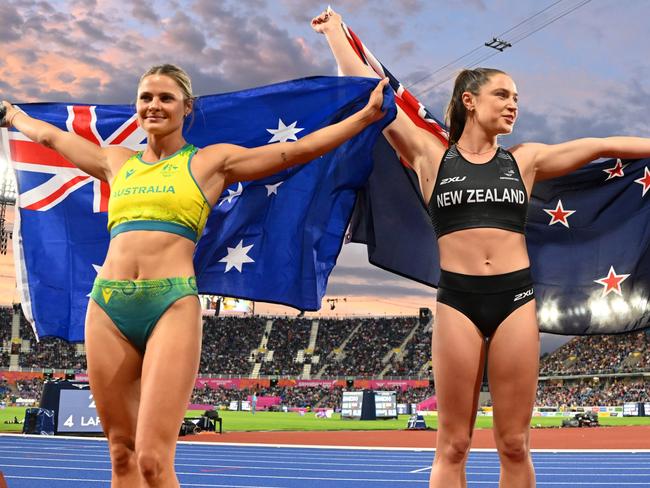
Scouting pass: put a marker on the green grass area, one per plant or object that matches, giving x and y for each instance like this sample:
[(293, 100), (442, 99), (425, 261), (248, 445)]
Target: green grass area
[(7, 415), (261, 421)]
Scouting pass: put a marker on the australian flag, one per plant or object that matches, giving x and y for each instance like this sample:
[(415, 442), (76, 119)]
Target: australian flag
[(273, 240), (588, 233)]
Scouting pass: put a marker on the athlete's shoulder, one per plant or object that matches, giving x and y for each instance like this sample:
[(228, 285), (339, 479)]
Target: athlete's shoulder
[(525, 152)]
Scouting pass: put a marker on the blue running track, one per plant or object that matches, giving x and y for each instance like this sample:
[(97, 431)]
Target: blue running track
[(54, 462)]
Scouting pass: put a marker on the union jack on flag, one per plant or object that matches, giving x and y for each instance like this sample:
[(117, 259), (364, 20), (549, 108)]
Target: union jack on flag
[(66, 178)]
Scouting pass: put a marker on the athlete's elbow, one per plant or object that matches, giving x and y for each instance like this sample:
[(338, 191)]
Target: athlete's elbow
[(300, 152), (601, 147), (47, 138)]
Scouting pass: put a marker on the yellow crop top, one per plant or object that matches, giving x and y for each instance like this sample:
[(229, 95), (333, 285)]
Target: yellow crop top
[(162, 196)]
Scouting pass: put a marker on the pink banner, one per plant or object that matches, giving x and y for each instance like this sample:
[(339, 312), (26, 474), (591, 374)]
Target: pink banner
[(215, 383), (200, 406), (264, 402), (428, 405), (313, 383), (243, 383), (391, 384)]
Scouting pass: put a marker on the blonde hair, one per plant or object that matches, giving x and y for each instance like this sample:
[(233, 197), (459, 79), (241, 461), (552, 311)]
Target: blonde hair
[(468, 80), (177, 74)]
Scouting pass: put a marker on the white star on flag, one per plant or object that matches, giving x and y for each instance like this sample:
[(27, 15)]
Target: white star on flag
[(237, 256), (284, 132), (612, 282), (558, 214), (272, 189), (616, 171), (232, 194), (645, 181), (98, 268)]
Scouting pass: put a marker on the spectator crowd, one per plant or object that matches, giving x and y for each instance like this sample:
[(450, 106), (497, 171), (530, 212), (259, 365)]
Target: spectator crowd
[(350, 347), (599, 354)]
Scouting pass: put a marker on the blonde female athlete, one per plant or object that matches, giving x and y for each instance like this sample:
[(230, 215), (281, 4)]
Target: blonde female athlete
[(477, 195), (143, 325)]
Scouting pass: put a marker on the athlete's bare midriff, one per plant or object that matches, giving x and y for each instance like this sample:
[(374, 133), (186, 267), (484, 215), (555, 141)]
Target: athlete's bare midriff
[(483, 251), (142, 255)]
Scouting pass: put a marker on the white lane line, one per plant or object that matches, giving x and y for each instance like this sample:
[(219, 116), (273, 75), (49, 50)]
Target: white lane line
[(43, 478), (109, 481), (301, 446), (77, 458), (209, 467), (588, 470)]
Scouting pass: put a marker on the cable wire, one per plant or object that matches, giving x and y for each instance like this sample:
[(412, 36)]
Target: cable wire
[(480, 53)]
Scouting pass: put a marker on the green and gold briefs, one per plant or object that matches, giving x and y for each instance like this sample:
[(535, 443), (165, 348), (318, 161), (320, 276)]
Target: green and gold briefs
[(135, 306)]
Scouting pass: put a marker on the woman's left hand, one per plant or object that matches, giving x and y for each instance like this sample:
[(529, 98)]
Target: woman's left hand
[(373, 108)]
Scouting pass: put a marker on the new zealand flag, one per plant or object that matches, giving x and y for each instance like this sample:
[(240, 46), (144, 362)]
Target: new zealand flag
[(588, 233)]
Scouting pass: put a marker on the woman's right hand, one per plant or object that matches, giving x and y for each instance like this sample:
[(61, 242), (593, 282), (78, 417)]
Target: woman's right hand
[(9, 113), (326, 21)]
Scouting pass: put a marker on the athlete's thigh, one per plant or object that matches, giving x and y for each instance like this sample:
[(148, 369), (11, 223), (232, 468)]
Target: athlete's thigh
[(171, 362), (513, 368), (114, 367), (458, 356)]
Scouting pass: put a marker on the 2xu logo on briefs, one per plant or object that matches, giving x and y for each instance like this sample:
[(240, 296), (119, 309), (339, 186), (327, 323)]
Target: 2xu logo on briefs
[(522, 295)]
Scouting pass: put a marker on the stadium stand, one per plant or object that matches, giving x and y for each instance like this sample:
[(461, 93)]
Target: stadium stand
[(415, 359), (590, 392), (369, 348), (591, 370), (287, 338), (599, 354), (230, 344)]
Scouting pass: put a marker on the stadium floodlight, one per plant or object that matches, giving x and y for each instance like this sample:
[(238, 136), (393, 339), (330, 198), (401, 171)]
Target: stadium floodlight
[(639, 303), (620, 306), (7, 182), (549, 313), (600, 310)]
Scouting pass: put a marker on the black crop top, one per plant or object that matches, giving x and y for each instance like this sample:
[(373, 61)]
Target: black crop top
[(468, 195)]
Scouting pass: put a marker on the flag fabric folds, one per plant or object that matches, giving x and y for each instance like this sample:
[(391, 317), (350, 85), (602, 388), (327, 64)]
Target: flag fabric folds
[(588, 232), (588, 235), (274, 239), (390, 216)]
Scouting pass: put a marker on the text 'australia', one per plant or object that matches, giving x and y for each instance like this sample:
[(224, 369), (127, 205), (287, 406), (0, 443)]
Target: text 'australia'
[(141, 190)]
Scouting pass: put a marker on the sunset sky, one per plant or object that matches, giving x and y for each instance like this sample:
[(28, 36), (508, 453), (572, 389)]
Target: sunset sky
[(583, 75)]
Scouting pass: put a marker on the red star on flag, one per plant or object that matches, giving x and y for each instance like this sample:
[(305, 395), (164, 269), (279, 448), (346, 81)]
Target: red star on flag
[(616, 171), (559, 215), (612, 282), (645, 181)]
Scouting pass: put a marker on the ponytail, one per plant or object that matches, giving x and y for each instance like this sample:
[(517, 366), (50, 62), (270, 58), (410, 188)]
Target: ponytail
[(468, 80)]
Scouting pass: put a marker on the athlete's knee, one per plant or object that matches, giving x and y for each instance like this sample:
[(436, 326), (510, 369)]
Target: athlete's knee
[(514, 447), (455, 451), (122, 451), (150, 465)]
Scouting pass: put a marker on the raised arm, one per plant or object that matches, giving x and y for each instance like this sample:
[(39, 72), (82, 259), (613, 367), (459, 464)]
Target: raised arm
[(85, 155), (553, 160), (242, 164), (413, 144), (330, 24)]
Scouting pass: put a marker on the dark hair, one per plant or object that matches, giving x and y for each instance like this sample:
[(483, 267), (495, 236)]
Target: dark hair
[(468, 80)]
